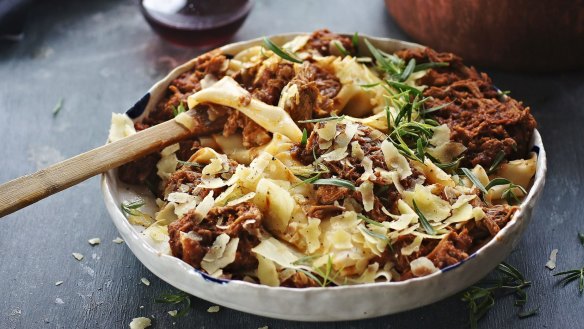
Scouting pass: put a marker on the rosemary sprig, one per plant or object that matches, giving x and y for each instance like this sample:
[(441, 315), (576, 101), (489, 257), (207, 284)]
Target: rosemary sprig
[(382, 61), (430, 65), (434, 109), (323, 119), (58, 107), (132, 208), (510, 196), (281, 52), (327, 276), (571, 275), (334, 181), (191, 164), (403, 87), (177, 298), (481, 298), (425, 224)]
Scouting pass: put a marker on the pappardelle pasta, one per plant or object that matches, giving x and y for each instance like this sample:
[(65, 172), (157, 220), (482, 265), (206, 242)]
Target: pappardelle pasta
[(326, 162)]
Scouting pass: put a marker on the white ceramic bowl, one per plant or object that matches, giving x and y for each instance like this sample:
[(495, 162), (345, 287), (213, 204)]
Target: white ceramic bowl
[(313, 304)]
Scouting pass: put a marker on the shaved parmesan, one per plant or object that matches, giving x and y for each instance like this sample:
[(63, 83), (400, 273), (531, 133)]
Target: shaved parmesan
[(422, 266), (121, 127), (357, 151), (412, 247), (227, 256), (140, 323), (366, 189), (433, 207), (551, 263), (267, 273), (395, 160), (277, 252), (276, 204)]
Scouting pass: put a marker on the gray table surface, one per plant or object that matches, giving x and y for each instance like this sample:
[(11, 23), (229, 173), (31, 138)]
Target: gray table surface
[(100, 57)]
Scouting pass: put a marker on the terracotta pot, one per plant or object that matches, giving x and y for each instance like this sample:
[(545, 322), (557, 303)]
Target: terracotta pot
[(523, 35)]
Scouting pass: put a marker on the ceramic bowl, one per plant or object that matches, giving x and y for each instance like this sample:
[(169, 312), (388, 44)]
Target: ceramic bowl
[(311, 304)]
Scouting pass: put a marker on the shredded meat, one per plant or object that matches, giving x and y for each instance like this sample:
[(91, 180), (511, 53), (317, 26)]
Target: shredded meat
[(321, 41), (184, 85), (243, 221), (477, 115)]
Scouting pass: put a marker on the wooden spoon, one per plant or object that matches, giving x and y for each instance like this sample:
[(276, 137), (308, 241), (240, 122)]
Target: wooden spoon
[(26, 190)]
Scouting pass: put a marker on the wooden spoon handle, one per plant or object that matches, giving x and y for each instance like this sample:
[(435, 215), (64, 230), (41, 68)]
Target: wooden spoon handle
[(23, 191)]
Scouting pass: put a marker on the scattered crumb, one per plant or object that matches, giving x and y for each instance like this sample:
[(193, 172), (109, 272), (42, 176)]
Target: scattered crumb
[(551, 264), (77, 256), (16, 312), (118, 240), (58, 283), (173, 312), (140, 323), (94, 241), (264, 327), (141, 306), (145, 281), (213, 309), (59, 301)]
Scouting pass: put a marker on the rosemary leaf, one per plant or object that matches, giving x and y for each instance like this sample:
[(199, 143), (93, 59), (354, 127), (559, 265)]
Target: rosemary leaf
[(58, 107), (474, 180), (335, 182), (425, 224), (131, 208), (368, 220), (403, 87), (496, 182), (496, 162), (340, 48), (280, 52), (529, 313), (435, 108), (355, 41), (178, 109), (408, 70), (304, 137), (323, 119), (192, 164)]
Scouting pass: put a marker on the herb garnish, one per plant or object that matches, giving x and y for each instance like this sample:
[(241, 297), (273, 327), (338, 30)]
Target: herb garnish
[(425, 224), (176, 110), (304, 137), (177, 298), (481, 298), (355, 41), (476, 182), (334, 117), (368, 220), (58, 107), (498, 158), (191, 164), (132, 208), (571, 275), (336, 182), (340, 48), (408, 70), (281, 52), (327, 275), (403, 87)]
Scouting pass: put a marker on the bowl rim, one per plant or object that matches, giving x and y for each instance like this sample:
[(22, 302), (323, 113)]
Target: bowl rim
[(534, 192)]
